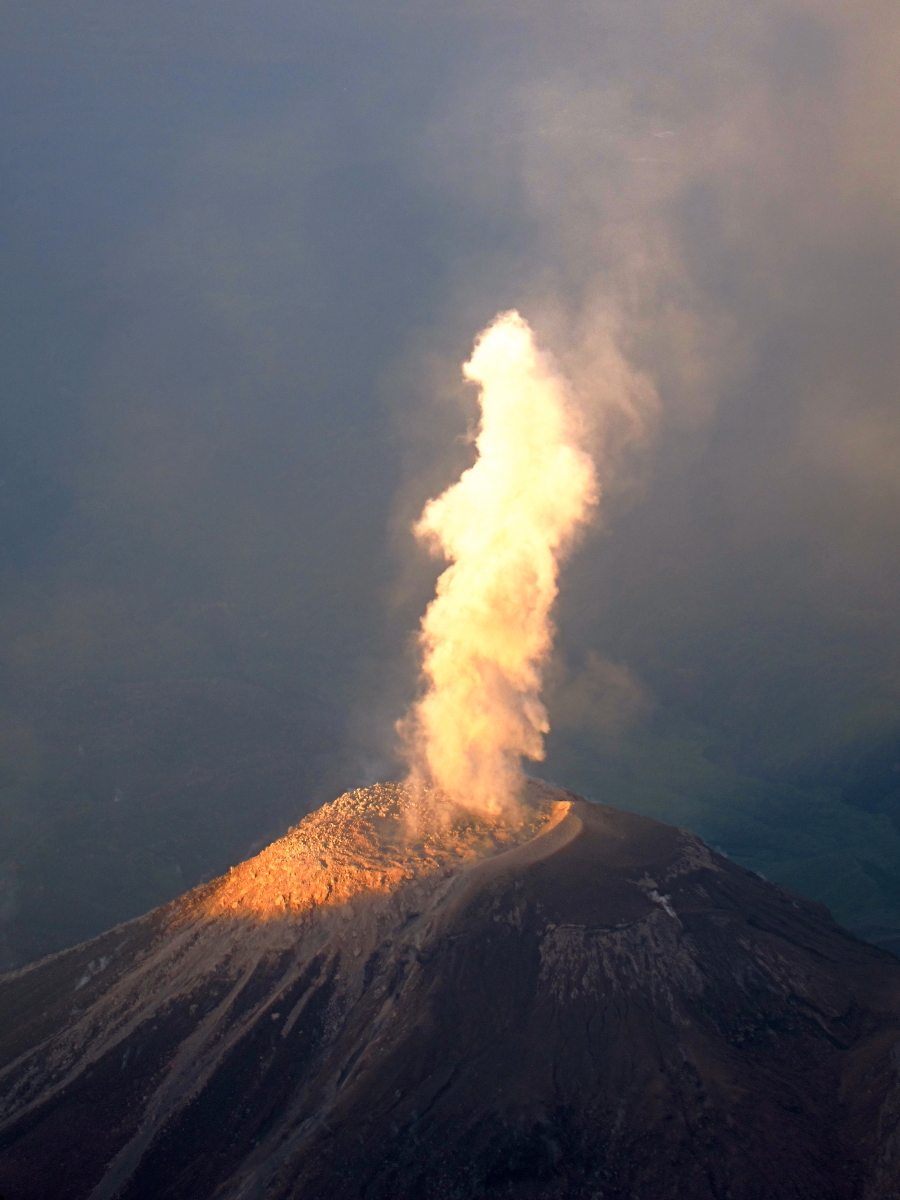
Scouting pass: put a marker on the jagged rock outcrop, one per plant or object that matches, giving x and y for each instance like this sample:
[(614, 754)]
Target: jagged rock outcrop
[(593, 1005)]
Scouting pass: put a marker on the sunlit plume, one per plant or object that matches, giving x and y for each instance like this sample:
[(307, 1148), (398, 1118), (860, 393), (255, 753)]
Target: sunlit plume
[(504, 526)]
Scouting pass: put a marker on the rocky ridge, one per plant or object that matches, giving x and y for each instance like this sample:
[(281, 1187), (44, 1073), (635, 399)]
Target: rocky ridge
[(384, 1005)]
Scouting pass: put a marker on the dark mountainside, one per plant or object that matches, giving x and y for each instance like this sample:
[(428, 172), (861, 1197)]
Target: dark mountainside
[(596, 1007)]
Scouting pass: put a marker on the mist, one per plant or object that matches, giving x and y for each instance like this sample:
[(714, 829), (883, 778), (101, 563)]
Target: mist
[(245, 252)]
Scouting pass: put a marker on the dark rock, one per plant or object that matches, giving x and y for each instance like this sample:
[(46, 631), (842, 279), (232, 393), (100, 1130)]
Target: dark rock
[(606, 1009)]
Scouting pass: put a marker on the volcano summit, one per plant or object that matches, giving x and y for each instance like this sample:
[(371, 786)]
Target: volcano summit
[(592, 1005)]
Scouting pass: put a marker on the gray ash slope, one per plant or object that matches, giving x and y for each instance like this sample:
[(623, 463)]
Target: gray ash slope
[(596, 1007)]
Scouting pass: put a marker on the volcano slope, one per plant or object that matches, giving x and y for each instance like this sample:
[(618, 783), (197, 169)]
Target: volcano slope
[(594, 1005)]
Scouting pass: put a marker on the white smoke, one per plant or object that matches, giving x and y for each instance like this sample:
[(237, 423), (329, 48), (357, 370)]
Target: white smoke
[(505, 526)]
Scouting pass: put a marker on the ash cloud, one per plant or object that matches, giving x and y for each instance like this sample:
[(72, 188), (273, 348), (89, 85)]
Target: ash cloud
[(246, 249), (504, 526), (711, 184)]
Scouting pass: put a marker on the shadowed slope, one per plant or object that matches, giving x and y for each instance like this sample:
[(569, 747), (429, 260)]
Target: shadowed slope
[(598, 1006)]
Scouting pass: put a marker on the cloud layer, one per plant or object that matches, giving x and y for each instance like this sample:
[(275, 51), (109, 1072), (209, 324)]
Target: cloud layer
[(246, 248)]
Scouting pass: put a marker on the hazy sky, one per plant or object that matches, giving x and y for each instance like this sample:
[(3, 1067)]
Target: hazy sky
[(244, 250)]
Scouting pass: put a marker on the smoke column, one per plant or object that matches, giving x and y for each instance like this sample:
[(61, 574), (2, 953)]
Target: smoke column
[(504, 527)]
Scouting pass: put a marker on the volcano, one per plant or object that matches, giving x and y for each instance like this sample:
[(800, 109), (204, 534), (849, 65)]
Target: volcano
[(382, 1005)]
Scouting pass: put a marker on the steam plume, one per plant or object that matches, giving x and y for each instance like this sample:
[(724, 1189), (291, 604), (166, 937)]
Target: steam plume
[(504, 526)]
